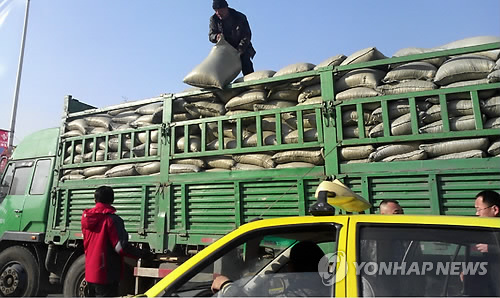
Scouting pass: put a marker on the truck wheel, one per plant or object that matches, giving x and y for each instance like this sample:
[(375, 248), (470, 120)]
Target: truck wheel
[(74, 282), (19, 273)]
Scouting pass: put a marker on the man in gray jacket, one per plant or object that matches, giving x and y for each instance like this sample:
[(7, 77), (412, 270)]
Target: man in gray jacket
[(233, 26)]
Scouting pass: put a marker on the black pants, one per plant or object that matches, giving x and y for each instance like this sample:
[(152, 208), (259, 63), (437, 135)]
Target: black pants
[(107, 290), (246, 64)]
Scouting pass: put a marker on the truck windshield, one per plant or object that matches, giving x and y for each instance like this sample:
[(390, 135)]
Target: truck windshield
[(434, 261), (6, 181)]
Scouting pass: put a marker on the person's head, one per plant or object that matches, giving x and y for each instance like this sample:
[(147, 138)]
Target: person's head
[(104, 194), (305, 257), (390, 207), (221, 8), (487, 204)]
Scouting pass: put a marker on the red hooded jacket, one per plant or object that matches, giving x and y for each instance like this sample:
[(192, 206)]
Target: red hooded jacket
[(105, 241)]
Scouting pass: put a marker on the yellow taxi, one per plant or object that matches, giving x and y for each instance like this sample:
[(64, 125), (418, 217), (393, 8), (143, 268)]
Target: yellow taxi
[(351, 255)]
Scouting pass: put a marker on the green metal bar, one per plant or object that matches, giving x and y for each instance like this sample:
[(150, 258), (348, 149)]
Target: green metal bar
[(186, 138), (338, 123), (301, 191), (239, 134), (278, 123), (361, 120), (203, 127), (143, 214), (319, 129), (327, 85), (476, 107), (94, 150), (385, 119), (238, 208), (413, 115), (106, 148), (258, 126), (184, 208), (64, 221), (300, 126), (435, 195), (444, 113), (365, 191)]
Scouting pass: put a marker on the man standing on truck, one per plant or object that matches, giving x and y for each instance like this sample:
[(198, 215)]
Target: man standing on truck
[(390, 207), (106, 243), (233, 26)]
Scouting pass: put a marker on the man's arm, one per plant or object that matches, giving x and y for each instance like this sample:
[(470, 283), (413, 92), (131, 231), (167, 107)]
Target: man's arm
[(246, 34), (213, 31), (119, 239)]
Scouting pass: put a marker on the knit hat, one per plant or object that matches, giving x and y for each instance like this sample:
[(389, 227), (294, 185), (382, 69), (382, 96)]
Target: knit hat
[(219, 4)]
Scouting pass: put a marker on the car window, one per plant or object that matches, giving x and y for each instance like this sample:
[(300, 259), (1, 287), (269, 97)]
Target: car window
[(428, 261), (20, 180), (266, 263), (41, 177)]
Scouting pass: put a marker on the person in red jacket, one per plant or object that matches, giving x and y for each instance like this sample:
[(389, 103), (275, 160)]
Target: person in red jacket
[(106, 243)]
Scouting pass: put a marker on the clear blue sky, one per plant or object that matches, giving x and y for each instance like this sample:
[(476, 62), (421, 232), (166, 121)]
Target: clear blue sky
[(111, 51)]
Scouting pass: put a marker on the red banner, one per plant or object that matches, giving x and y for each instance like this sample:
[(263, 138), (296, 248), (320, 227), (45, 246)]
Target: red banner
[(4, 141)]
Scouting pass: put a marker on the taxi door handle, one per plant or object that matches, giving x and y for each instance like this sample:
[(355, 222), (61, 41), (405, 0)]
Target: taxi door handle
[(18, 211)]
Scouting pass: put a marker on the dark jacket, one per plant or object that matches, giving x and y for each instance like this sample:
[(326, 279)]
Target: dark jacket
[(106, 243), (235, 29)]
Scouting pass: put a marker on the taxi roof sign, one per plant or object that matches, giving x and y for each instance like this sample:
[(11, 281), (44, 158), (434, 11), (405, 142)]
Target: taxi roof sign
[(342, 196)]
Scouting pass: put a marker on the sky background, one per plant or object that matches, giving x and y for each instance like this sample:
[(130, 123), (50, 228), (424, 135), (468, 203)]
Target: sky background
[(109, 52)]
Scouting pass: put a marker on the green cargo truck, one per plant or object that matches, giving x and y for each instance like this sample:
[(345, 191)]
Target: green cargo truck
[(189, 167)]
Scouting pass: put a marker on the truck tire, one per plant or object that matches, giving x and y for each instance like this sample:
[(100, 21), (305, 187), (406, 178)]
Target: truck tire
[(19, 273), (74, 281)]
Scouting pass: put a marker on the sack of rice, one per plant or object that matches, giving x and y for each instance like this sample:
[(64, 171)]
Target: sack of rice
[(415, 51), (120, 110), (465, 154), (331, 61), (355, 152), (364, 77), (221, 66), (98, 121), (229, 143), (312, 101), (153, 136), (144, 120), (351, 117), (93, 171), (400, 126), (309, 156), (79, 125), (350, 132), (194, 144), (474, 41), (464, 68), (97, 177), (114, 142), (295, 164), (494, 76), (268, 138), (205, 108), (121, 171), (363, 55), (244, 167), (191, 161), (455, 108), (246, 100), (454, 146), (182, 168), (114, 155), (310, 135), (256, 75), (390, 150), (148, 168), (223, 162), (491, 106), (273, 104), (354, 161), (98, 130), (308, 121), (182, 117), (72, 177), (358, 92), (492, 123), (406, 87), (294, 68), (456, 123), (308, 92), (140, 150), (226, 94), (148, 109), (285, 94), (494, 148), (72, 133), (178, 105), (414, 155), (125, 117), (258, 159), (396, 109), (411, 71), (466, 95)]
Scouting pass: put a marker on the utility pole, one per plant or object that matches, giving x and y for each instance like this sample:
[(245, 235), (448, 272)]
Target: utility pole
[(18, 81)]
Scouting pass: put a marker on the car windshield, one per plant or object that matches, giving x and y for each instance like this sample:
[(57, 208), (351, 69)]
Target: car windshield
[(277, 262), (428, 261)]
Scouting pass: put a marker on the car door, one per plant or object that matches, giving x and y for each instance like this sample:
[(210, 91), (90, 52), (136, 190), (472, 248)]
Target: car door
[(14, 184), (262, 261)]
